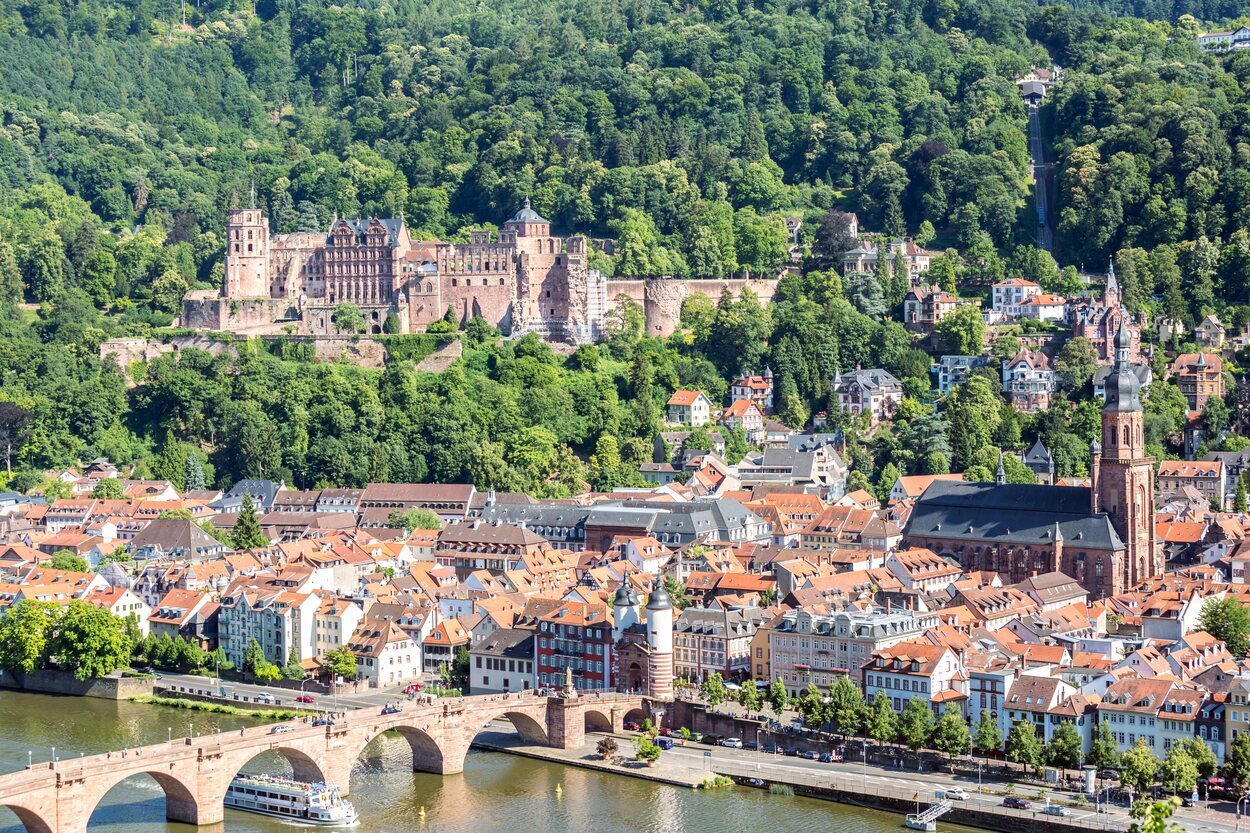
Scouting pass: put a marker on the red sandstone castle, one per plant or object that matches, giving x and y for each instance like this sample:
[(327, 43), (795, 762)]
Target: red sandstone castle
[(525, 280)]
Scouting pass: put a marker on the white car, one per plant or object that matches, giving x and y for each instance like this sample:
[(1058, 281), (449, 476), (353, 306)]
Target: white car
[(1056, 810), (733, 743), (955, 794)]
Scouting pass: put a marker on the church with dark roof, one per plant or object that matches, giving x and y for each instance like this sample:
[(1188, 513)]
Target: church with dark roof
[(1101, 535)]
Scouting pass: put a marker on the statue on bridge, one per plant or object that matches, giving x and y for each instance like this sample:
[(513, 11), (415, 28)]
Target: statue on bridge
[(569, 691)]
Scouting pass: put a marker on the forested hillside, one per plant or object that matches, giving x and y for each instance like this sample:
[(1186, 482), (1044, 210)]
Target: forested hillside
[(688, 132)]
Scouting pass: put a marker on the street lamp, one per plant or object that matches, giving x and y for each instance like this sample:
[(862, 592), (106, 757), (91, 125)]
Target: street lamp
[(759, 750), (864, 748), (30, 759), (170, 737), (54, 754)]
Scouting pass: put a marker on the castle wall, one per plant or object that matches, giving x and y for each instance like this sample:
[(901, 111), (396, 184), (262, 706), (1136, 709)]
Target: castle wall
[(206, 310), (661, 298)]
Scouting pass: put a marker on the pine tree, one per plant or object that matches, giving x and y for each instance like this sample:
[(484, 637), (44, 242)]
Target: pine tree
[(247, 531), (253, 656), (1239, 502), (193, 479)]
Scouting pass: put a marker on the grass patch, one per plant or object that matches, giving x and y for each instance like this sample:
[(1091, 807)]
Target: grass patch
[(781, 789), (216, 708), (713, 782)]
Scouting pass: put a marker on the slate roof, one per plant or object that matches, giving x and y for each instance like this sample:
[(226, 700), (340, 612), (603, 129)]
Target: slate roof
[(1011, 514), (360, 225)]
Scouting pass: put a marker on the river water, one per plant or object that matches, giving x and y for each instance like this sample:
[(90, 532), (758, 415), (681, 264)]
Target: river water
[(496, 793)]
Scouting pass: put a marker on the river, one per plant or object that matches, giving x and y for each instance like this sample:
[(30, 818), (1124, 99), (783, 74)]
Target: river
[(496, 793)]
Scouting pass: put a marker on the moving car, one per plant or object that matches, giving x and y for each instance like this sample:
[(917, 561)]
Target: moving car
[(955, 794), (810, 755), (305, 698), (1056, 810), (1016, 803), (281, 729)]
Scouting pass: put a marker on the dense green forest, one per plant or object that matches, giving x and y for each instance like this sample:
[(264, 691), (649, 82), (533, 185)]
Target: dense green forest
[(688, 132)]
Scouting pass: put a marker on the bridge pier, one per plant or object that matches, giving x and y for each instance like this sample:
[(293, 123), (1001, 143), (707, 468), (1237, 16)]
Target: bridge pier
[(566, 723)]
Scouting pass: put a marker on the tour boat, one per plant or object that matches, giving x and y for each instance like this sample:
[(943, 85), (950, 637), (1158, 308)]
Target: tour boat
[(272, 795)]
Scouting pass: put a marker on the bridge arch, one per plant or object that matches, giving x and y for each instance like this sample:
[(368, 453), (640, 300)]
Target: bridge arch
[(532, 732), (598, 721), (427, 754), (636, 715), (182, 802), (31, 820)]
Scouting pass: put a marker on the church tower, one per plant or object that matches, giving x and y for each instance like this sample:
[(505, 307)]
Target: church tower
[(247, 254), (1124, 484)]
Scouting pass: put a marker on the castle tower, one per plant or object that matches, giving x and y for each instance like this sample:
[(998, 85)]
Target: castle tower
[(660, 641), (625, 610), (1125, 484), (247, 254)]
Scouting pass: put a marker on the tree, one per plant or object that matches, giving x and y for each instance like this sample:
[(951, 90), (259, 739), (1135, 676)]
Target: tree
[(1179, 770), (1239, 500), (749, 697), (13, 431), (293, 670), (1024, 747), (413, 519), (988, 737), (110, 488), (1203, 757), (1104, 753), (1236, 768), (247, 532), (253, 656), (882, 722), (347, 318), (193, 478), (606, 748), (69, 560), (916, 723), (1139, 766), (973, 413), (951, 735), (713, 689), (1076, 363), (646, 749), (1227, 620), (812, 706), (90, 641), (777, 697), (1066, 749), (846, 706), (963, 331), (676, 592), (24, 634), (266, 672), (340, 662)]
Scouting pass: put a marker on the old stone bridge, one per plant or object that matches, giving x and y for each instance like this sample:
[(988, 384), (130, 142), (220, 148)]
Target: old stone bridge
[(194, 772)]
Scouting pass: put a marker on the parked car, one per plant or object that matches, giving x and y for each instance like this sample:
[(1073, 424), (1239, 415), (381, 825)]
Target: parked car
[(697, 737), (790, 752), (811, 755), (1056, 810), (955, 794), (771, 749), (664, 743), (666, 732), (732, 743), (826, 757), (631, 726), (1016, 803), (1113, 774), (305, 698), (750, 744)]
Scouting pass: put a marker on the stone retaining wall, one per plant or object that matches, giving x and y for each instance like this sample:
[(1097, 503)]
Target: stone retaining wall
[(63, 682)]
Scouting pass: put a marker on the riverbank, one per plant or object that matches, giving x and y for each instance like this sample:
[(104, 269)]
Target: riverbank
[(889, 794), (216, 708), (664, 772)]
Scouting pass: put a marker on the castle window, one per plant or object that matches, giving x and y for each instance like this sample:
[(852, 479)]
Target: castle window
[(453, 281), (501, 281), (249, 248)]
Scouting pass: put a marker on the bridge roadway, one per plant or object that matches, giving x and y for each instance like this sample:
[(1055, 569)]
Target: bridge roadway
[(194, 772)]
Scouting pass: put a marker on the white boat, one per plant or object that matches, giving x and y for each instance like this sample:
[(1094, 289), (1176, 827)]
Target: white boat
[(272, 795)]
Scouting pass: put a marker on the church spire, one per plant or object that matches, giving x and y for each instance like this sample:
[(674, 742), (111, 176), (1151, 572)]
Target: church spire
[(1001, 476)]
